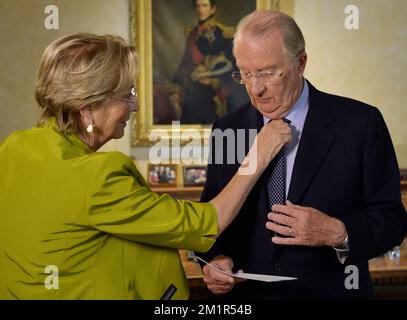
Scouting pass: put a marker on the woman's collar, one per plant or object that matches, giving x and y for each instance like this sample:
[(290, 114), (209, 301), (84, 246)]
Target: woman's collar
[(71, 137)]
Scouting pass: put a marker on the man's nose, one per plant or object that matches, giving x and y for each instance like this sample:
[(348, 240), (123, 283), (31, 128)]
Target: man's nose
[(257, 86)]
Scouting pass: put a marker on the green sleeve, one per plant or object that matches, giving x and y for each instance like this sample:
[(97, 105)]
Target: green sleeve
[(121, 203)]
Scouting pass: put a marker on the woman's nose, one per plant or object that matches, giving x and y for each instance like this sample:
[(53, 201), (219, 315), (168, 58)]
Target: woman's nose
[(134, 107)]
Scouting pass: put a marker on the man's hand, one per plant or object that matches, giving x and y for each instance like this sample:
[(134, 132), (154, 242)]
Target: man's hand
[(217, 282), (305, 226)]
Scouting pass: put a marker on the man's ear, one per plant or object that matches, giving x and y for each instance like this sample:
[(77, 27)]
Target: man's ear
[(302, 62)]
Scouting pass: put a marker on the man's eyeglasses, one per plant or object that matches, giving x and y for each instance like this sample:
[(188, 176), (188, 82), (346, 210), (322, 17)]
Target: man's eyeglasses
[(265, 77)]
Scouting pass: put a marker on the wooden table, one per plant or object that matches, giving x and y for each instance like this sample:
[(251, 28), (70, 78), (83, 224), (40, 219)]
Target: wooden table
[(193, 271), (184, 193), (389, 277), (385, 270)]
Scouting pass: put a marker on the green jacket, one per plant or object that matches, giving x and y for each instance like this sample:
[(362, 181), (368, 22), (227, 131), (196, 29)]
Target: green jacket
[(78, 224)]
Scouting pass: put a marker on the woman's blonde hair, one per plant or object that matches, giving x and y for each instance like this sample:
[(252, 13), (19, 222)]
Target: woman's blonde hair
[(81, 70)]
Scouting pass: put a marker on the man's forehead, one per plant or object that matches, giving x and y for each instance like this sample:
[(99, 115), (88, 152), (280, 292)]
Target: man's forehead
[(260, 53), (203, 2), (274, 36), (261, 60)]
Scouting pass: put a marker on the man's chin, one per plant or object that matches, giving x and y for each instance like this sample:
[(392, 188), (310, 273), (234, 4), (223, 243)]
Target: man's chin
[(271, 113)]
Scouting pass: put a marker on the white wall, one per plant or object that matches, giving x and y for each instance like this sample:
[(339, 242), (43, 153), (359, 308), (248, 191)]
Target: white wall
[(369, 64)]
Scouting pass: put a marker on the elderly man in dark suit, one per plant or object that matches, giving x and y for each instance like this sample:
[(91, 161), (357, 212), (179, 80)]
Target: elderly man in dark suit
[(330, 198)]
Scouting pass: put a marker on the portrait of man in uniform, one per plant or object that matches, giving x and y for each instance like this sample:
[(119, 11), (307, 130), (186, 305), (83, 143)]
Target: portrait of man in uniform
[(193, 61)]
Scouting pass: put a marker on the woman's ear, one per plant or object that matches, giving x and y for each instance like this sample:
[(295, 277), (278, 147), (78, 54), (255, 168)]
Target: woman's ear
[(85, 116), (85, 112)]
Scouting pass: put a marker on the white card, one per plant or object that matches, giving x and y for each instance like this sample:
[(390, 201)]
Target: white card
[(261, 277), (249, 276)]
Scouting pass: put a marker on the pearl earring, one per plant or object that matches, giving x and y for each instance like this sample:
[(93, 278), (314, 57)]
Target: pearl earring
[(89, 129)]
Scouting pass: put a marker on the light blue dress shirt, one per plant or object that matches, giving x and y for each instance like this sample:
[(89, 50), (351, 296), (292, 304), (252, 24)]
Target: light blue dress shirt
[(297, 117)]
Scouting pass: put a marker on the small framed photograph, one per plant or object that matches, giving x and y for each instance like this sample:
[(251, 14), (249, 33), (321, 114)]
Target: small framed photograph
[(162, 175), (194, 175)]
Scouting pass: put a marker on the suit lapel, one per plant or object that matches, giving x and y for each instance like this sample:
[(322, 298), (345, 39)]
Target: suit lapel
[(316, 140), (252, 120)]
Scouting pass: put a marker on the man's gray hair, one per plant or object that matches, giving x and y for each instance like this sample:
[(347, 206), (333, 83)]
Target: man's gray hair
[(261, 23)]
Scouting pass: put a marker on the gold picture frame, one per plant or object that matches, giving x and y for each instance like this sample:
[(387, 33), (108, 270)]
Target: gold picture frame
[(142, 123)]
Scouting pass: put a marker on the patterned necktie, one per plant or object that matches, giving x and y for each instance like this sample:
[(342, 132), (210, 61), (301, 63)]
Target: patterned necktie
[(276, 184)]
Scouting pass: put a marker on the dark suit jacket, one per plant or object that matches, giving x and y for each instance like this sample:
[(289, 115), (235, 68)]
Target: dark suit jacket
[(346, 167)]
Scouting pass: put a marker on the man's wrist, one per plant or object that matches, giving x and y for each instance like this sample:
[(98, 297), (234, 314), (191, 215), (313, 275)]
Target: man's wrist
[(341, 236), (344, 246)]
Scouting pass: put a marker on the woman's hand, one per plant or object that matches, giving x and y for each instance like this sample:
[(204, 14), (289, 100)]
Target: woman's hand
[(269, 141)]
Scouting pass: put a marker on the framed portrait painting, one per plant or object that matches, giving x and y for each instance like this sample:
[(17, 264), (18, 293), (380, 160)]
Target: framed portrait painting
[(185, 62)]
